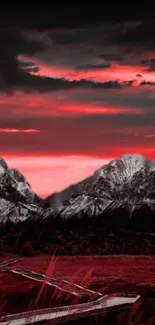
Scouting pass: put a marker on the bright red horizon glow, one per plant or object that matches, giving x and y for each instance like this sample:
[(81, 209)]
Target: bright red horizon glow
[(19, 131), (48, 174)]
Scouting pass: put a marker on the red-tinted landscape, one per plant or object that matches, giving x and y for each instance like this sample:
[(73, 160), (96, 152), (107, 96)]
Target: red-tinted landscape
[(72, 280), (72, 98)]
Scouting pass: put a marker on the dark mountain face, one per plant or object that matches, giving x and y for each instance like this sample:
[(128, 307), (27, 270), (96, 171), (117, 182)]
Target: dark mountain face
[(120, 192)]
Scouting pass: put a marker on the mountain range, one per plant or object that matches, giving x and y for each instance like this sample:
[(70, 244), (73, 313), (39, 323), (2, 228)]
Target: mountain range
[(117, 194)]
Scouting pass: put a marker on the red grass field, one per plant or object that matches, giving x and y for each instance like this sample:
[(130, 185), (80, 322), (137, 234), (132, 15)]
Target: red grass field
[(102, 274)]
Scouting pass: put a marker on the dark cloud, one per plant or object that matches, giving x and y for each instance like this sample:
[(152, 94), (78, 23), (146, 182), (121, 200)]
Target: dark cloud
[(15, 42), (147, 83), (73, 131), (139, 75), (102, 44), (144, 62), (66, 15), (107, 41), (16, 75), (140, 35), (75, 36), (106, 84), (150, 65), (111, 56), (94, 66), (45, 84), (126, 34)]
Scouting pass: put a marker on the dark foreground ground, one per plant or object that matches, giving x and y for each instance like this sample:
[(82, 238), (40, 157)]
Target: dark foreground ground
[(78, 279), (32, 241)]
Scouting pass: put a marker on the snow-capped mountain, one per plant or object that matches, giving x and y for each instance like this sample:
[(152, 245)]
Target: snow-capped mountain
[(17, 200), (106, 180), (124, 188), (126, 183)]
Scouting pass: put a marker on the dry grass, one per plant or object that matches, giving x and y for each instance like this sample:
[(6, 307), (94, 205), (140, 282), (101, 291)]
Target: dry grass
[(48, 276), (138, 314)]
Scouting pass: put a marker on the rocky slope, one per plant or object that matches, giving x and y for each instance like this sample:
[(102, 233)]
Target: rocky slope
[(126, 184), (120, 192), (17, 200)]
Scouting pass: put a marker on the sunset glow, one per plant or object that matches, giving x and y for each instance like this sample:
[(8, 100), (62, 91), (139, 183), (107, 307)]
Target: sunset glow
[(72, 99)]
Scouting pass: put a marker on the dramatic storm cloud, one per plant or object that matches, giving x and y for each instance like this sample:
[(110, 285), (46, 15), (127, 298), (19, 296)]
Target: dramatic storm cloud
[(74, 98)]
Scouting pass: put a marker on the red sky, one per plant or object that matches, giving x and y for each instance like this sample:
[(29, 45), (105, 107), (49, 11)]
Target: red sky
[(73, 99)]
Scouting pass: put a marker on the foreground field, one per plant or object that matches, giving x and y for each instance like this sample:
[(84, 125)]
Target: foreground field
[(47, 282)]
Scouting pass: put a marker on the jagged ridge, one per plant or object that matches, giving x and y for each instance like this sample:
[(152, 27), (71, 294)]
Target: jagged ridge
[(125, 186), (127, 183), (17, 200)]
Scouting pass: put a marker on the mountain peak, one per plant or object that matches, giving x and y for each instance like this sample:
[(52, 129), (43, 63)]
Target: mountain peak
[(126, 184), (133, 163), (124, 166), (133, 156), (3, 166)]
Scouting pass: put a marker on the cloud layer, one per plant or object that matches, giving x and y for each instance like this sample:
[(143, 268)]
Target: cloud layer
[(78, 91)]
